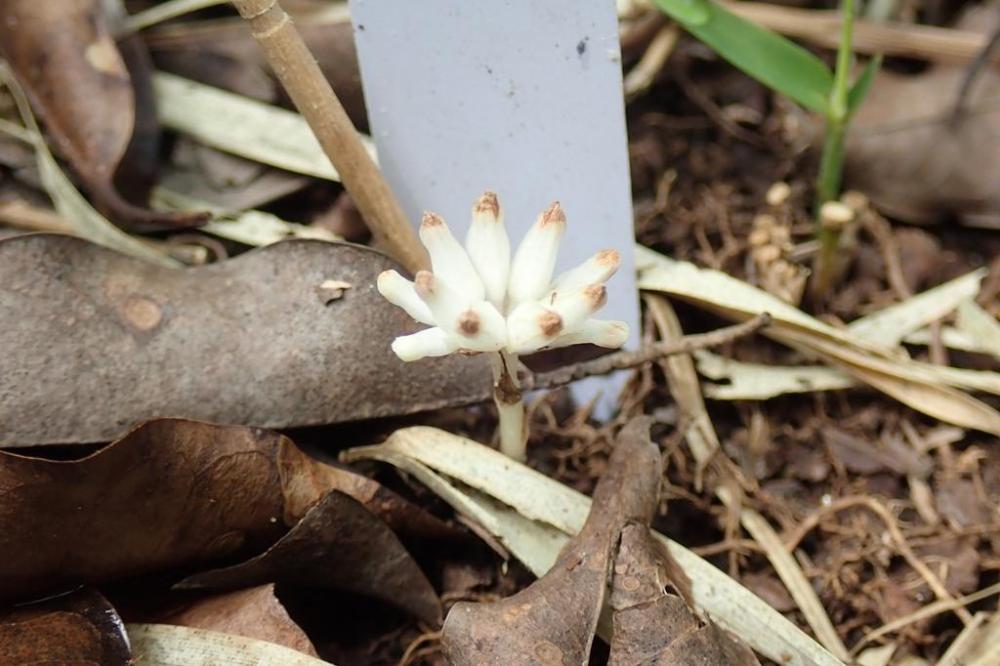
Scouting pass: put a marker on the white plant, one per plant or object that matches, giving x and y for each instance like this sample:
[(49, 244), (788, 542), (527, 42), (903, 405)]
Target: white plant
[(477, 299)]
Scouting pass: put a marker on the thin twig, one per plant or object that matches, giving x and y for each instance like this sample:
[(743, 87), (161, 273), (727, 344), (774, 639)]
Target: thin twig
[(629, 359), (298, 72)]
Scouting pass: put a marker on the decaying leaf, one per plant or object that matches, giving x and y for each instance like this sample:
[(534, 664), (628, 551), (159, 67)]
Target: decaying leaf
[(916, 157), (96, 342), (171, 493), (553, 621), (337, 545), (254, 612), (653, 627), (167, 645), (78, 84), (79, 628), (538, 515)]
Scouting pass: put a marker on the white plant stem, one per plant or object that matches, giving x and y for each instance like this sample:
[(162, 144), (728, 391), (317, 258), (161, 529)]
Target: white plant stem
[(510, 405)]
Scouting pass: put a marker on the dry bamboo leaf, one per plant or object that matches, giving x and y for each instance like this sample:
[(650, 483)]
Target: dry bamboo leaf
[(250, 227), (78, 84), (254, 612), (756, 381), (536, 497), (980, 326), (80, 629), (337, 545), (166, 645), (242, 341), (891, 324), (922, 386), (219, 491), (242, 126)]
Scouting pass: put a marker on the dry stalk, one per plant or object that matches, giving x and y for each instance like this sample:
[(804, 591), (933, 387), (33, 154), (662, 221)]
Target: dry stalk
[(298, 72)]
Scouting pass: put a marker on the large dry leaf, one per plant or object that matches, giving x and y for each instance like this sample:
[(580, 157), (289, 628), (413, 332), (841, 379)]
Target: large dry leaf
[(78, 84), (95, 342), (167, 645), (337, 545), (914, 157), (80, 628), (171, 493), (543, 513), (922, 386), (554, 619), (254, 612)]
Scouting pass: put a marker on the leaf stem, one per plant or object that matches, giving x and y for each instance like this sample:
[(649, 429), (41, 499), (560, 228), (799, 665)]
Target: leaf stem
[(832, 160)]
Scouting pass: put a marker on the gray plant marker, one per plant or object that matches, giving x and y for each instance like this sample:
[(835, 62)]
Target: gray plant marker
[(520, 97)]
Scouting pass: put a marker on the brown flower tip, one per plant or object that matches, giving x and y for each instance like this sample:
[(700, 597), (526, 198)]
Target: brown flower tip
[(487, 203), (423, 282), (431, 220), (553, 215), (550, 323), (468, 323), (596, 295), (609, 258)]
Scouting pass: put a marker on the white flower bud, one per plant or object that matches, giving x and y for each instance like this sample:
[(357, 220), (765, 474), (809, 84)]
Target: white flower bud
[(400, 292), (600, 332), (597, 269), (429, 342), (535, 259), (489, 247), (481, 328), (576, 306), (449, 260), (532, 326)]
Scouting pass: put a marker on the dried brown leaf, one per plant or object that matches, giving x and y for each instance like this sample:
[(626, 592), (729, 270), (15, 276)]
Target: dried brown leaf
[(96, 342), (553, 620), (337, 545), (170, 493), (79, 86), (79, 629), (254, 613), (917, 159), (654, 627)]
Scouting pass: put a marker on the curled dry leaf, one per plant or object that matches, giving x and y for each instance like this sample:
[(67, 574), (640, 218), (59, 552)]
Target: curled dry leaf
[(554, 619), (337, 545), (79, 628), (243, 341), (653, 627), (78, 84), (171, 493), (253, 612)]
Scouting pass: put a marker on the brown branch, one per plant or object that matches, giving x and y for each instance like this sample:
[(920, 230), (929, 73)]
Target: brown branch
[(298, 72), (622, 360)]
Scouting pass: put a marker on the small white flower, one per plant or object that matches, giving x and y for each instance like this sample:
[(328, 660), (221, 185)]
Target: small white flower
[(477, 299)]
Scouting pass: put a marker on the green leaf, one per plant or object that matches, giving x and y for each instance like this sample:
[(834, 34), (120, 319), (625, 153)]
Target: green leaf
[(766, 56), (859, 90)]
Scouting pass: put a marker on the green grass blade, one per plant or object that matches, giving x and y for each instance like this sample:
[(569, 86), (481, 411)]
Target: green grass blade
[(860, 89), (766, 56)]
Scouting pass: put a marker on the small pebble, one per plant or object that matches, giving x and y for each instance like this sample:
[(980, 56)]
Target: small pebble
[(778, 193)]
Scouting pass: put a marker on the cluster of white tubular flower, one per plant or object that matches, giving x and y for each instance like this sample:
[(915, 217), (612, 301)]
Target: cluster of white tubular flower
[(478, 299)]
